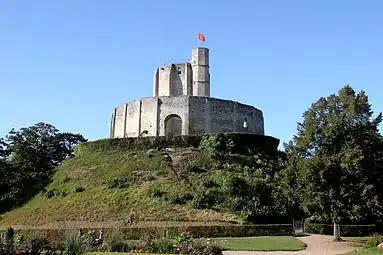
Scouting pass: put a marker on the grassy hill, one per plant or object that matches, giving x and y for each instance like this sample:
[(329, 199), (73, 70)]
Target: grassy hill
[(114, 185)]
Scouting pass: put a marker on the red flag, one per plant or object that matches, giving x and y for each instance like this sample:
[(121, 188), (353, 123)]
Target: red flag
[(201, 37)]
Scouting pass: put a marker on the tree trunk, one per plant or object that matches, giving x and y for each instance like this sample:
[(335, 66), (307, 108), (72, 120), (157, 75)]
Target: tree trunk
[(337, 232)]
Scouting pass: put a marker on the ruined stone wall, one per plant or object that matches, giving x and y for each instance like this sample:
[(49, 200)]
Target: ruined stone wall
[(198, 115), (214, 115), (149, 114)]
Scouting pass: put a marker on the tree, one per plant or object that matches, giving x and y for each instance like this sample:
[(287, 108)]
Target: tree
[(337, 157), (31, 155), (5, 170)]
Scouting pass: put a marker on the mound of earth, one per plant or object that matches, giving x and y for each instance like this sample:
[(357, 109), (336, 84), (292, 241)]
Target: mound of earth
[(122, 187)]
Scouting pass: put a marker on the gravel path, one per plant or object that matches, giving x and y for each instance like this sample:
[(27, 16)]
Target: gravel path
[(316, 245)]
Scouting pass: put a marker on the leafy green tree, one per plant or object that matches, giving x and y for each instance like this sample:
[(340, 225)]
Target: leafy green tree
[(30, 156), (5, 174), (337, 158)]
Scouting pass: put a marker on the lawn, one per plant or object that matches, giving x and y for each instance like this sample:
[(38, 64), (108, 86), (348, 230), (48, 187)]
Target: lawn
[(122, 253), (264, 243), (371, 251)]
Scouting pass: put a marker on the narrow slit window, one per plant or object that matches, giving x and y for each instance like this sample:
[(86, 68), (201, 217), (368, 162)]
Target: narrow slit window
[(245, 123)]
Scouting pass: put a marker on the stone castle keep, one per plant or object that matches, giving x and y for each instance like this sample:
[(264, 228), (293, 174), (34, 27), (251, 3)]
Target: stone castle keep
[(181, 105)]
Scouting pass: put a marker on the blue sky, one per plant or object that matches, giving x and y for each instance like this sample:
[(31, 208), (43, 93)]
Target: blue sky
[(69, 63)]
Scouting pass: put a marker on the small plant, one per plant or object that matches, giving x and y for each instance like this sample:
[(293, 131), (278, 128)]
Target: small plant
[(20, 238), (9, 241), (52, 193), (162, 245), (66, 179), (184, 243), (178, 198), (75, 244), (114, 242), (78, 190), (103, 247), (116, 182), (374, 241)]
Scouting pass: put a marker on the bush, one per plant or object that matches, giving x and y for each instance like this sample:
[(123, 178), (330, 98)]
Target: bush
[(212, 231), (9, 240), (66, 179), (374, 241), (242, 143), (136, 143), (161, 245), (55, 193), (75, 244), (178, 197), (116, 182), (345, 230), (78, 190), (114, 242)]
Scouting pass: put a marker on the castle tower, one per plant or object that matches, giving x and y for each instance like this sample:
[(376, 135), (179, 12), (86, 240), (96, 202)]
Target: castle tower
[(201, 74), (181, 105)]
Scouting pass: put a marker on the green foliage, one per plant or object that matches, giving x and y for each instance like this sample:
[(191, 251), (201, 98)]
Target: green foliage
[(116, 182), (239, 143), (78, 189), (55, 193), (263, 243), (346, 230), (66, 179), (136, 143), (161, 245), (114, 241), (75, 244), (9, 240), (335, 161), (27, 159), (374, 241), (242, 143)]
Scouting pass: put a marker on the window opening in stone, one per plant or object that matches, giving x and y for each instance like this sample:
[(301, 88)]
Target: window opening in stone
[(179, 70), (245, 123)]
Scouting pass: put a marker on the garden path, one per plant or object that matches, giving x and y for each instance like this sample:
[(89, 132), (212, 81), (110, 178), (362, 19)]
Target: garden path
[(316, 245)]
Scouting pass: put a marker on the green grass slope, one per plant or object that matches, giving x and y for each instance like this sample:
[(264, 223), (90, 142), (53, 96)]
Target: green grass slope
[(115, 186)]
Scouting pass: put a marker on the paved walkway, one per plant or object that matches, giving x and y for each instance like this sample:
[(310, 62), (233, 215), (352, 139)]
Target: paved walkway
[(316, 245)]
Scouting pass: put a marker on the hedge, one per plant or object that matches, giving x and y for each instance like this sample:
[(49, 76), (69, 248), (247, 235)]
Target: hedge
[(197, 231), (242, 143), (345, 230)]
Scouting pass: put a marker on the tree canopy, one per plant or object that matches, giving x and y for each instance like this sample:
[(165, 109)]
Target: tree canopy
[(337, 159), (27, 159)]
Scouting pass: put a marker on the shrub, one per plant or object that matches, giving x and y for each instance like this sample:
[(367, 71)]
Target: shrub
[(9, 240), (374, 241), (178, 197), (75, 244), (210, 231), (20, 237), (78, 190), (242, 143), (161, 245), (66, 179), (345, 230), (54, 193), (116, 182), (114, 241)]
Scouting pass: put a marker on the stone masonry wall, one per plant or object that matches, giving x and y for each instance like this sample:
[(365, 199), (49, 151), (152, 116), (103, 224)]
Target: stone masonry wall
[(198, 114), (214, 115)]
